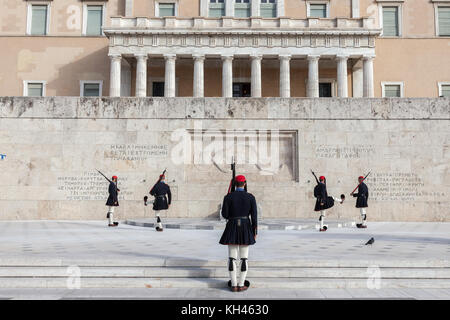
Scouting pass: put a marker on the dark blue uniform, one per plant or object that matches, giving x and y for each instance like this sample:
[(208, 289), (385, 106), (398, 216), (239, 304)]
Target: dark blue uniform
[(362, 196), (323, 201), (113, 193), (159, 191), (239, 208)]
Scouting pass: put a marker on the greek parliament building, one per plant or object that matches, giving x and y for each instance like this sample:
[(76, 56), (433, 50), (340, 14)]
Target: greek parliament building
[(225, 48)]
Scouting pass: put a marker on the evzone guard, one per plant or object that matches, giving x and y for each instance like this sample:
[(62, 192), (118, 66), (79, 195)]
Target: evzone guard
[(112, 201), (361, 200), (239, 208), (163, 198), (323, 201)]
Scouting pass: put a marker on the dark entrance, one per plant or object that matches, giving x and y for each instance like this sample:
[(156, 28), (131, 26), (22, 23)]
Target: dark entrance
[(241, 89), (158, 89), (325, 89)]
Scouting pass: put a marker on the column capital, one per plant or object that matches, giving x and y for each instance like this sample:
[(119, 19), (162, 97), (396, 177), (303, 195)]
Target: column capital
[(170, 56), (256, 56), (368, 57), (313, 57), (284, 57), (227, 57), (200, 57), (342, 57), (141, 56), (115, 56)]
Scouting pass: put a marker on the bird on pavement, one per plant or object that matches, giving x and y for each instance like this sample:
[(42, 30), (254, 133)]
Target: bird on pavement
[(371, 241)]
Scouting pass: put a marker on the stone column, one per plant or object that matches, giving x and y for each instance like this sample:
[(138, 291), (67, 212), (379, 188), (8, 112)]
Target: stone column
[(355, 8), (342, 86), (198, 87), (285, 76), (357, 79), (169, 78), (141, 75), (227, 76), (128, 8), (256, 76), (368, 76), (312, 87), (255, 8), (114, 80)]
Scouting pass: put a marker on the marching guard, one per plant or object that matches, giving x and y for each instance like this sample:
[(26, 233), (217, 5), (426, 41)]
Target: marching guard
[(361, 201), (239, 208), (324, 201), (163, 199), (112, 201)]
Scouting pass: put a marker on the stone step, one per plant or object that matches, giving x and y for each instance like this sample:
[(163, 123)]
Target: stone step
[(290, 283), (188, 262), (218, 272)]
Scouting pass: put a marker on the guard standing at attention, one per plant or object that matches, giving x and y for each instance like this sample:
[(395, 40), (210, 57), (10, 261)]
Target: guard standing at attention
[(239, 208), (361, 201), (163, 199), (112, 201)]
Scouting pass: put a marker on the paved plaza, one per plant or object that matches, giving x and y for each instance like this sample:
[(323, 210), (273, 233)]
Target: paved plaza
[(63, 243)]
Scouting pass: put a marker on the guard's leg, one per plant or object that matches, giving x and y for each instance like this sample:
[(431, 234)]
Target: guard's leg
[(363, 217), (159, 226), (232, 256), (110, 216), (322, 221), (243, 254)]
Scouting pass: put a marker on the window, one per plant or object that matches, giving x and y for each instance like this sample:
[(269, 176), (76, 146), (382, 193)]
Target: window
[(391, 21), (443, 21), (38, 19), (392, 89), (94, 20), (34, 88), (444, 89), (242, 8), (268, 8), (91, 88), (166, 9), (325, 89), (216, 8), (317, 10)]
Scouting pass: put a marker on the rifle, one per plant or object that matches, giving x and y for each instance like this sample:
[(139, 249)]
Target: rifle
[(159, 180), (103, 175), (232, 186), (317, 180), (360, 182)]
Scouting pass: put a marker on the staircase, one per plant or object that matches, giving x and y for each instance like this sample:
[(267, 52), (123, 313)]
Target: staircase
[(185, 273)]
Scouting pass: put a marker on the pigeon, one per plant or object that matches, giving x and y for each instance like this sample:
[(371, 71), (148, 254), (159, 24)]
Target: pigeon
[(371, 241)]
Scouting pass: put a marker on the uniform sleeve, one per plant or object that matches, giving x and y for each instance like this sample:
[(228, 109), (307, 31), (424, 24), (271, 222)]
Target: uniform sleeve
[(225, 208), (169, 195), (113, 192), (254, 215)]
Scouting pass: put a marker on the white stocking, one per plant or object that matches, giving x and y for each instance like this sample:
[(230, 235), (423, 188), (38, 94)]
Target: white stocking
[(362, 211), (243, 254), (111, 212), (232, 254)]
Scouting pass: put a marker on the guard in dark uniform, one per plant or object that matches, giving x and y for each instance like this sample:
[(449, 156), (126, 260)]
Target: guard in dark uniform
[(323, 201), (239, 208), (361, 201), (112, 201), (163, 199)]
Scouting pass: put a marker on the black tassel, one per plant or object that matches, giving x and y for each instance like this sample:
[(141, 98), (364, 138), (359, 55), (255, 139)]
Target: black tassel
[(230, 264), (244, 264)]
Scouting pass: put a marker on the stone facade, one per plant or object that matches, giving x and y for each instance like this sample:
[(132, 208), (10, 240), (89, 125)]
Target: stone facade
[(51, 148)]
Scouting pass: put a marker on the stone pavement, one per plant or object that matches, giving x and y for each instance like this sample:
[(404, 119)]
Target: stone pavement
[(63, 243), (263, 224)]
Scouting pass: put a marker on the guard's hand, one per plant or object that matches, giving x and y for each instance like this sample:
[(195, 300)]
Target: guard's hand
[(115, 202), (351, 194), (118, 190), (321, 203)]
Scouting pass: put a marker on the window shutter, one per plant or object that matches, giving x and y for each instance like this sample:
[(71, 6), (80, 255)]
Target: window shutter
[(445, 90), (444, 21), (91, 90), (242, 10), (35, 89), (318, 10), (268, 10), (39, 20), (216, 10), (392, 91), (390, 21), (167, 9), (94, 20)]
